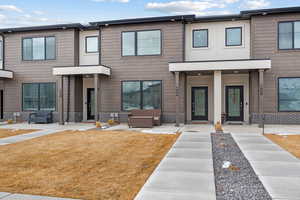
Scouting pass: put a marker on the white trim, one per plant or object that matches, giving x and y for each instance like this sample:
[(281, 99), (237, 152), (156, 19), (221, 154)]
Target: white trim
[(220, 65), (6, 74), (82, 70)]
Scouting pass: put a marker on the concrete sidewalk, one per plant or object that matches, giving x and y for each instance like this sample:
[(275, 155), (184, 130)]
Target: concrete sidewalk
[(10, 196), (27, 136), (278, 170), (185, 173)]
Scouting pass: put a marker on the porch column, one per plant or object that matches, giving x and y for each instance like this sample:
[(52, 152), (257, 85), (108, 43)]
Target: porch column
[(217, 96), (96, 86), (261, 97), (177, 97), (61, 100)]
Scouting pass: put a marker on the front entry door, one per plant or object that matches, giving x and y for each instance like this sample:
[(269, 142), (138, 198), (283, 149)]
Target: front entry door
[(90, 103), (235, 103), (199, 103)]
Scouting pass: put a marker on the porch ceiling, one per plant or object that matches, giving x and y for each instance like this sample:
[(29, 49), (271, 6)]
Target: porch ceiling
[(249, 64), (6, 74), (81, 70)]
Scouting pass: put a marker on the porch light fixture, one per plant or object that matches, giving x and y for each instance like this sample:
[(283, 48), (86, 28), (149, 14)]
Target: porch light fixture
[(199, 74), (236, 72)]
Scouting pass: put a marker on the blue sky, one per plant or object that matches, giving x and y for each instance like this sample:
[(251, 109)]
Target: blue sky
[(15, 13)]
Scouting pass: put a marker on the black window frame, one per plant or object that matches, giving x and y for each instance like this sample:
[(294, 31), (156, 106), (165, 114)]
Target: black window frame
[(293, 36), (39, 104), (141, 93), (45, 53), (207, 36), (136, 42), (241, 35), (86, 38), (278, 95)]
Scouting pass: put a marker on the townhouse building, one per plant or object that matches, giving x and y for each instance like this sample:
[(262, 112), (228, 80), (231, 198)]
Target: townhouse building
[(234, 68)]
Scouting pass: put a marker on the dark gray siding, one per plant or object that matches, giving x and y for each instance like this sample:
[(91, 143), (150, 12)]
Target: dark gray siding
[(141, 67), (36, 71), (285, 63)]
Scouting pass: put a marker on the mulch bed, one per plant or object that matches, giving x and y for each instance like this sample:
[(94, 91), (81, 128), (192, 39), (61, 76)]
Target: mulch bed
[(239, 181)]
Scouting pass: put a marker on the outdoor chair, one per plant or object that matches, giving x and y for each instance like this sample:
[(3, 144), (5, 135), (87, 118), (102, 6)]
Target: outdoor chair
[(45, 117), (144, 118)]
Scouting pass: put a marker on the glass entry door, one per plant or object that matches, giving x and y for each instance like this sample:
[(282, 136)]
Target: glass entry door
[(235, 103), (199, 103), (90, 103)]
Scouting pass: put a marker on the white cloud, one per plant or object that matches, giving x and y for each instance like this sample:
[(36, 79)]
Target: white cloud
[(38, 12), (120, 1), (184, 7), (231, 1), (256, 4), (10, 8)]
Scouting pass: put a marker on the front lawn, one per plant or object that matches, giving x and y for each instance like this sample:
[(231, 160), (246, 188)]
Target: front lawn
[(84, 165), (12, 132), (291, 143)]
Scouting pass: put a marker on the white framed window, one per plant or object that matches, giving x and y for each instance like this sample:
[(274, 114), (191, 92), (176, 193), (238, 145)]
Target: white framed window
[(91, 44)]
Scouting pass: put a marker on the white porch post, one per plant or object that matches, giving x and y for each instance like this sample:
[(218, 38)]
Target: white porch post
[(61, 100), (177, 98), (217, 96), (96, 89)]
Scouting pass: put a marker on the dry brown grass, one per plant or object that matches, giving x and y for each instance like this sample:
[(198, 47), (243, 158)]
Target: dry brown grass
[(12, 132), (86, 165), (291, 143)]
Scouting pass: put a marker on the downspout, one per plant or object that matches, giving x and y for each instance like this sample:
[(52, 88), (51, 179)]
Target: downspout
[(185, 76), (99, 45)]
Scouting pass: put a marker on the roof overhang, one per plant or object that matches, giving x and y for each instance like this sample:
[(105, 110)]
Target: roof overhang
[(219, 65), (6, 74), (82, 70)]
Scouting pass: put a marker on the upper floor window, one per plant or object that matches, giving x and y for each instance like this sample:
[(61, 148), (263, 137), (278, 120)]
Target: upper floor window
[(289, 35), (39, 48), (233, 36), (1, 50), (91, 44), (200, 38), (141, 43)]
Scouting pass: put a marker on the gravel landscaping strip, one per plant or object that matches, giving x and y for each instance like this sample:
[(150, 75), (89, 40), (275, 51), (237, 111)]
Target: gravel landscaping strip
[(239, 180)]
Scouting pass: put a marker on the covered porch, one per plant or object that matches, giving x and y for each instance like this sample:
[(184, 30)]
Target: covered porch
[(89, 96), (218, 91)]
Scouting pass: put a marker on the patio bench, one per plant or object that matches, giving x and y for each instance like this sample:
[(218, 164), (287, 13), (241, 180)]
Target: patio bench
[(144, 118), (41, 117)]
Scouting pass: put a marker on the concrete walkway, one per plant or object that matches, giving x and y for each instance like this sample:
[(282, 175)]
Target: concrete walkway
[(27, 136), (278, 170), (185, 173), (46, 129), (9, 196)]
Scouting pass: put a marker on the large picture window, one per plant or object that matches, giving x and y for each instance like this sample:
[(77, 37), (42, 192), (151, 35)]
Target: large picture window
[(141, 43), (141, 95), (39, 96), (233, 36), (289, 35), (39, 48), (200, 38), (289, 94)]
